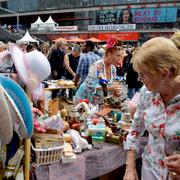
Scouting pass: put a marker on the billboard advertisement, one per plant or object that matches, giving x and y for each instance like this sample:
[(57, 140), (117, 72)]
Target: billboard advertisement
[(152, 15), (106, 17), (137, 15)]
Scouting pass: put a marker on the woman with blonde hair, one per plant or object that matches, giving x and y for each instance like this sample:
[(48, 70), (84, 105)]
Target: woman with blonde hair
[(45, 49), (158, 65), (176, 39)]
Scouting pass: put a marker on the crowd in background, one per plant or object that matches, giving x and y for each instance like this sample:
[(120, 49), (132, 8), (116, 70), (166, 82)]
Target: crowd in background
[(72, 61)]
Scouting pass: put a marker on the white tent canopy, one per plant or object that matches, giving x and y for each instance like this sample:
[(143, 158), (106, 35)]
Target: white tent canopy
[(38, 21), (50, 23), (26, 39), (38, 24)]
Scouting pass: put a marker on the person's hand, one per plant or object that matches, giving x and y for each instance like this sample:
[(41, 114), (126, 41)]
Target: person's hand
[(130, 174), (173, 164), (14, 76), (174, 176), (77, 84), (55, 73), (132, 104), (116, 89), (74, 75)]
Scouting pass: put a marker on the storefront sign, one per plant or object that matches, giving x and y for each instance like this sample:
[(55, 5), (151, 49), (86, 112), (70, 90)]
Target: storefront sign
[(137, 15), (66, 28), (124, 36), (111, 27)]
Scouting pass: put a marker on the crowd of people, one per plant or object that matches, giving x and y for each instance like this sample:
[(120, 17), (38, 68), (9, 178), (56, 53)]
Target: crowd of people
[(152, 70), (73, 61)]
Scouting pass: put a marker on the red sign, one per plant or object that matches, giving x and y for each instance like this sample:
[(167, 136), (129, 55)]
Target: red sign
[(124, 36)]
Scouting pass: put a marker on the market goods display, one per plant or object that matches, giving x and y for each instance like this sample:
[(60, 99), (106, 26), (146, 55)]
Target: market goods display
[(65, 82)]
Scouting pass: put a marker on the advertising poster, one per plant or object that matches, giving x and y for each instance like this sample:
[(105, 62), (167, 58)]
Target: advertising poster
[(138, 15)]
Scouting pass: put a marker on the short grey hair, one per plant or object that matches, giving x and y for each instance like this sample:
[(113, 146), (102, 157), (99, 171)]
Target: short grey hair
[(76, 48)]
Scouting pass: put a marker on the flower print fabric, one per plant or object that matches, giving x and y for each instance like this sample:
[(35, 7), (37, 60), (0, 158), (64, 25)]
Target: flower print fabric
[(88, 88), (163, 125)]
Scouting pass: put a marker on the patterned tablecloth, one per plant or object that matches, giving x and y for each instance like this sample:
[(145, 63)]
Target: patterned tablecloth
[(88, 165)]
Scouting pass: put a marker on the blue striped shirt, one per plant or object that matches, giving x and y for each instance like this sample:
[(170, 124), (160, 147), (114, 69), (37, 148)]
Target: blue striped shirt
[(85, 61)]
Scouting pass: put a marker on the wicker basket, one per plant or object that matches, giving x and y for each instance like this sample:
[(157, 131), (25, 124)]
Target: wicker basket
[(49, 155)]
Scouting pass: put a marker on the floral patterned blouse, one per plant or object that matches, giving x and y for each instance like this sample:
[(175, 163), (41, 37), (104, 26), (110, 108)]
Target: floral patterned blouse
[(88, 88), (163, 125)]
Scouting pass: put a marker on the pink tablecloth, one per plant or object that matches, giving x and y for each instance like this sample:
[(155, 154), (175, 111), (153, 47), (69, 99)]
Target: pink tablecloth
[(88, 165)]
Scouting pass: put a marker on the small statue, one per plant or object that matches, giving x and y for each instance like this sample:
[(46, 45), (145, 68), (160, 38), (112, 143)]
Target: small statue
[(79, 142), (64, 114)]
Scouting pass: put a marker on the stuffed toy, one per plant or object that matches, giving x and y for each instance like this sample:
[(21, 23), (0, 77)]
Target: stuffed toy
[(79, 142)]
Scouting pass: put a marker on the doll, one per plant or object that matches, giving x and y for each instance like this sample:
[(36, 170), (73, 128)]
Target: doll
[(79, 142)]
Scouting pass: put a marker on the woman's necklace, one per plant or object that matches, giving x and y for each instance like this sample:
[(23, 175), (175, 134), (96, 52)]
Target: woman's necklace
[(108, 74), (107, 69)]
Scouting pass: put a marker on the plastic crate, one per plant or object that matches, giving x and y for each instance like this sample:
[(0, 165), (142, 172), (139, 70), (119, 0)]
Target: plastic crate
[(49, 155)]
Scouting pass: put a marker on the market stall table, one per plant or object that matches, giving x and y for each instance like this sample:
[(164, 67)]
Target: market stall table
[(88, 165), (52, 88), (59, 88)]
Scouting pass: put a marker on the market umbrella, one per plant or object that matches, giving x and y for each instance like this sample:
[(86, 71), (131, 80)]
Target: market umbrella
[(79, 40), (60, 39), (93, 39)]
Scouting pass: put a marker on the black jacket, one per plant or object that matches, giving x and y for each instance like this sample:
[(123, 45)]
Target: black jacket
[(132, 78), (56, 61)]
